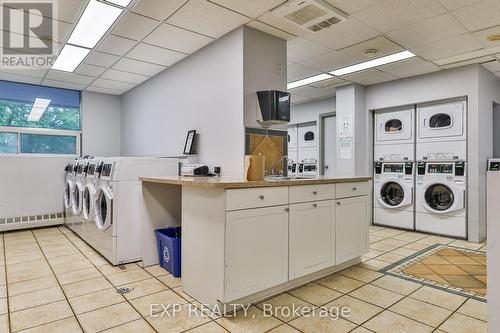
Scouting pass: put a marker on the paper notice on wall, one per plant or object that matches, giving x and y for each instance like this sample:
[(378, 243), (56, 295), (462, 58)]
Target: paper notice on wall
[(345, 150)]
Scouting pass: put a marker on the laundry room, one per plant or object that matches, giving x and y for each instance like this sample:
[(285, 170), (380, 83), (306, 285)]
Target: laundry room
[(249, 166)]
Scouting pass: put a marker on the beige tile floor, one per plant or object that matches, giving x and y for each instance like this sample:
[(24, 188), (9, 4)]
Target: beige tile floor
[(51, 281)]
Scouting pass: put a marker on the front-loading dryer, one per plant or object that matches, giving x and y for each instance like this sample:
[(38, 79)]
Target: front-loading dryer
[(77, 196), (441, 205), (394, 194), (395, 134), (68, 190), (442, 131)]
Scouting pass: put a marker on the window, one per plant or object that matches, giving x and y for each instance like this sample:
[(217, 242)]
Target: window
[(39, 120), (394, 126), (440, 120)]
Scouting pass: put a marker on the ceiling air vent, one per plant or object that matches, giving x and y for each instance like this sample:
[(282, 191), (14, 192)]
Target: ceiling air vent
[(310, 15)]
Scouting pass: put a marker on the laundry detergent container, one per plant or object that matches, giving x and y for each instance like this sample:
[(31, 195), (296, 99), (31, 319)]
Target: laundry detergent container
[(169, 249)]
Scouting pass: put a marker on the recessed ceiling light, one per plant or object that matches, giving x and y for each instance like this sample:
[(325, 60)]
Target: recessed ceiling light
[(38, 109), (373, 63), (70, 57), (122, 3), (95, 21), (309, 80)]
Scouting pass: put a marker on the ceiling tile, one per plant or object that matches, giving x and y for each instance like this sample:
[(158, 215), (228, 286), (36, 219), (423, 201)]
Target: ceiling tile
[(448, 47), (270, 30), (282, 24), (389, 15), (334, 82), (138, 67), (428, 31), (383, 46), (116, 45), (19, 78), (158, 9), (156, 55), (481, 15), (298, 99), (69, 77), (492, 66), (207, 18), (329, 61), (343, 34), (409, 67), (351, 6), (101, 59), (313, 92), (90, 70), (116, 75), (177, 39), (68, 10), (369, 77), (65, 85), (110, 84), (135, 26), (297, 71), (300, 49), (482, 36), (252, 8), (31, 72), (469, 55), (454, 4), (104, 90), (479, 60)]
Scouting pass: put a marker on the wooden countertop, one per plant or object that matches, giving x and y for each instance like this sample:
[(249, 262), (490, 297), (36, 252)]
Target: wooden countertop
[(231, 183)]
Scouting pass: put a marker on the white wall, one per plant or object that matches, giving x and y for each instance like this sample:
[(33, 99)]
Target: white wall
[(101, 124), (310, 111), (479, 87), (203, 92)]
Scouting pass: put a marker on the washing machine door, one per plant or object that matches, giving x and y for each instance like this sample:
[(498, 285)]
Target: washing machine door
[(88, 202), (68, 190), (441, 198), (77, 198), (394, 126), (103, 208), (394, 194), (442, 120)]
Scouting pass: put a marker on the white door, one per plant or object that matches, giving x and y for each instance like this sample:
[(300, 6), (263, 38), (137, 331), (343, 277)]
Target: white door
[(308, 136), (391, 126), (103, 208), (312, 235), (445, 121), (292, 137), (256, 250), (329, 145), (351, 223)]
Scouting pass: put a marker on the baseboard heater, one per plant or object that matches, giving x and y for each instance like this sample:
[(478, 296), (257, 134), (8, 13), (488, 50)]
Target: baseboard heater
[(31, 221)]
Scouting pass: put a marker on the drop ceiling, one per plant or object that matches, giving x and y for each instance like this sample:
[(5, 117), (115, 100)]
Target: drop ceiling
[(152, 35)]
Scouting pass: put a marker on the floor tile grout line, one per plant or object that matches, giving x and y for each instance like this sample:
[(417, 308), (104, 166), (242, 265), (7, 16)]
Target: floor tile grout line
[(60, 286), (6, 282)]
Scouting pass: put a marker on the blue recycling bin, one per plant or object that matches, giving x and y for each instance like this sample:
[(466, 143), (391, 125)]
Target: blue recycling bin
[(169, 249)]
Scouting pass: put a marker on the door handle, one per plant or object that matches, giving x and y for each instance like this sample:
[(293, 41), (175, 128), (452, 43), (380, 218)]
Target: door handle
[(287, 210), (315, 193), (261, 197), (338, 203), (354, 189), (315, 205)]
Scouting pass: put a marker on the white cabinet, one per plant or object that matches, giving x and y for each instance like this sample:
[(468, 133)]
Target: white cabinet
[(351, 223), (256, 251), (312, 237)]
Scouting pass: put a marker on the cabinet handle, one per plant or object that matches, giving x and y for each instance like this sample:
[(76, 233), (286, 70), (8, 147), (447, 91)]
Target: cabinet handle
[(261, 197), (287, 210), (338, 203), (315, 193), (354, 189), (315, 205)]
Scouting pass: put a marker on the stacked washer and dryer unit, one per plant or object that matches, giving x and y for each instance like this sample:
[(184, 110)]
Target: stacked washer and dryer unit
[(106, 202), (433, 196)]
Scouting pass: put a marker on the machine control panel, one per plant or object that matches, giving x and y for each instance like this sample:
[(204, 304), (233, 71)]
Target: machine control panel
[(106, 170), (378, 168), (494, 164), (393, 167), (460, 169), (91, 170), (408, 168), (421, 168), (433, 168)]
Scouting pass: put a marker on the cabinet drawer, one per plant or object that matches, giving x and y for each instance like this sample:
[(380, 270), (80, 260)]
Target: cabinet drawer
[(256, 197), (308, 193), (344, 190)]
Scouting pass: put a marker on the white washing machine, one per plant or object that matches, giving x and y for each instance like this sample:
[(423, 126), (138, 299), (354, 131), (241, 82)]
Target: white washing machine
[(68, 189), (441, 203), (395, 135), (77, 196), (442, 131), (88, 197), (117, 230), (393, 188)]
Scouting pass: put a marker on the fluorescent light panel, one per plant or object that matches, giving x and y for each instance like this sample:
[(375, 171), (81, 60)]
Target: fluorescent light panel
[(373, 63), (95, 21), (309, 80), (38, 109), (122, 3), (70, 57)]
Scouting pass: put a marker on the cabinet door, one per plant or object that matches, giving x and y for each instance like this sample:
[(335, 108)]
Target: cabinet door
[(351, 220), (256, 250), (312, 236)]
